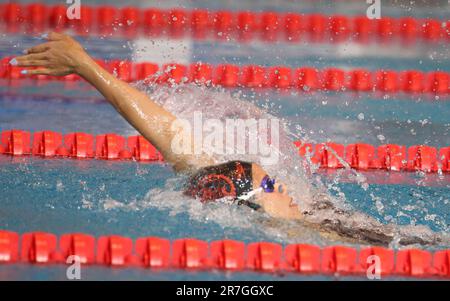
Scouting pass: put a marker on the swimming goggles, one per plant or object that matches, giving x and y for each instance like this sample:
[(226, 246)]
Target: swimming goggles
[(267, 185)]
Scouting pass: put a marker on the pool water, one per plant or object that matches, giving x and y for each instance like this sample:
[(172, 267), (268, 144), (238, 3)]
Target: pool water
[(101, 197)]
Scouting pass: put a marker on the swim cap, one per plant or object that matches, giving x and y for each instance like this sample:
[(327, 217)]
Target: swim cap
[(231, 179)]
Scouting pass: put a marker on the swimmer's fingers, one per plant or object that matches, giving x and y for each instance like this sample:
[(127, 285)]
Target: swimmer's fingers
[(33, 63), (39, 48), (40, 71), (32, 60), (48, 71), (61, 55)]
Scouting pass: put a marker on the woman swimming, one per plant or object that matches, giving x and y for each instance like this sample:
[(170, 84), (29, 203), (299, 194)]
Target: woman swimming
[(244, 183)]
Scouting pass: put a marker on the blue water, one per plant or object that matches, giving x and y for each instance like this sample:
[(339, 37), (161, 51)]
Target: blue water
[(63, 196)]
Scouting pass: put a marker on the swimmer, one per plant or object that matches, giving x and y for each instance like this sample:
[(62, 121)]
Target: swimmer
[(245, 183)]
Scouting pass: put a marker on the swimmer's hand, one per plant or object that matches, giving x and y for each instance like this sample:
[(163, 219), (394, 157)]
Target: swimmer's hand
[(61, 55)]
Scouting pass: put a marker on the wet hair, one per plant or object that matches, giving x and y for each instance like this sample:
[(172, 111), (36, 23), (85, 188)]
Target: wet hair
[(231, 179)]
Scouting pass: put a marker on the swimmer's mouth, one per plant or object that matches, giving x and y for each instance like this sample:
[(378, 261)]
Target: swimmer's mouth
[(292, 203)]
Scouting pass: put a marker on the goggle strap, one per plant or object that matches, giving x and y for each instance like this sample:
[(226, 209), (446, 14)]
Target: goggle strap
[(249, 194)]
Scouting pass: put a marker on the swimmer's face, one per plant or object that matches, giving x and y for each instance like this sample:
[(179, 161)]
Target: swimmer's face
[(277, 203)]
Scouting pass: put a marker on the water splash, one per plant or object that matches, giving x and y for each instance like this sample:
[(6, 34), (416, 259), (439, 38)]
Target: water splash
[(215, 103)]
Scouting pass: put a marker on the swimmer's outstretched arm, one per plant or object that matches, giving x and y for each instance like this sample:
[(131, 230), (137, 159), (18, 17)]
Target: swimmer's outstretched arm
[(62, 55)]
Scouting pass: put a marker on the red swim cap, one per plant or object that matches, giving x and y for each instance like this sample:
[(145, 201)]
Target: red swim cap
[(231, 179)]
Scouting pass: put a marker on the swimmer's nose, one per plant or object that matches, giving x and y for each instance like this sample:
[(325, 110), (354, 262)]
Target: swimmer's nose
[(292, 203)]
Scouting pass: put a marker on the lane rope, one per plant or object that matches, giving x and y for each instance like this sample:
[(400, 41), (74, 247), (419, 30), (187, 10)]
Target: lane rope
[(222, 25), (330, 155), (226, 255), (303, 79)]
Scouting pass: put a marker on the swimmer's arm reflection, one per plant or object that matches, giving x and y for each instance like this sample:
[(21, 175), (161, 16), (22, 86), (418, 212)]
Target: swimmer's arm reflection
[(62, 55)]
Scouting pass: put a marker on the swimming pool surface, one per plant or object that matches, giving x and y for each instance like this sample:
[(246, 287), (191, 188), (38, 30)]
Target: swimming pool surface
[(99, 197)]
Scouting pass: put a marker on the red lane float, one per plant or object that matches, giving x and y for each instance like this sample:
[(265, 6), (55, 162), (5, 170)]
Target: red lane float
[(444, 158), (111, 146), (190, 254), (391, 157), (142, 150), (441, 263), (360, 156), (252, 76), (264, 256), (385, 256), (302, 258), (16, 142), (78, 145), (422, 157), (9, 247), (388, 157), (226, 76), (153, 252), (414, 262), (46, 143), (330, 155), (38, 247), (199, 23), (201, 73), (227, 255), (339, 259), (78, 244), (114, 250)]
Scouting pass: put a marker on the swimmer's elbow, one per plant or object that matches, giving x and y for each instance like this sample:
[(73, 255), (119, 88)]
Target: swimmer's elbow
[(182, 167)]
